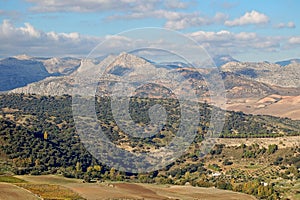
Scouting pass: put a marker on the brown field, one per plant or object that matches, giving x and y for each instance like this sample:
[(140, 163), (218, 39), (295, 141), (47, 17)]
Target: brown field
[(158, 192), (12, 192), (51, 192), (276, 105), (121, 190)]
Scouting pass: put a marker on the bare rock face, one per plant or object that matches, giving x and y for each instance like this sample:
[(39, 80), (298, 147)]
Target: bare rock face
[(60, 66), (126, 63)]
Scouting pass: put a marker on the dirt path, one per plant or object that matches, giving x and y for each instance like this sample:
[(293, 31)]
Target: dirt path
[(11, 192)]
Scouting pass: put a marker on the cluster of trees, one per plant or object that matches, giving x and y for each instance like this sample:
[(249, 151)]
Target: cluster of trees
[(255, 150), (257, 188), (38, 134), (39, 152)]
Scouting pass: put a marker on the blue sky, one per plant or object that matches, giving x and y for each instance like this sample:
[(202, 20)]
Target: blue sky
[(248, 30)]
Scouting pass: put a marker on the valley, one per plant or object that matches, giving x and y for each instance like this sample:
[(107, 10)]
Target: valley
[(252, 150), (253, 88), (149, 100), (256, 155)]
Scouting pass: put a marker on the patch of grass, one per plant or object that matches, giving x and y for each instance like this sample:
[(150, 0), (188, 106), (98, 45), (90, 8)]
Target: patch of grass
[(10, 179), (52, 192)]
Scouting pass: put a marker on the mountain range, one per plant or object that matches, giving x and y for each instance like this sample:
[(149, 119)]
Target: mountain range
[(22, 70), (256, 88)]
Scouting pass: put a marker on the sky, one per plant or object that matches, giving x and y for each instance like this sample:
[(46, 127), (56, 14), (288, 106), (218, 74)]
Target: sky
[(256, 30)]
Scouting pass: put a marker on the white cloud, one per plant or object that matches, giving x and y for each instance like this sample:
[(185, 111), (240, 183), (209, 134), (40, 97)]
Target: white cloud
[(175, 20), (287, 25), (134, 9), (224, 5), (252, 17), (226, 42), (170, 15), (92, 5), (291, 25), (176, 4), (106, 5), (220, 17), (185, 20), (292, 43), (194, 20), (27, 39), (294, 40), (7, 30), (30, 31)]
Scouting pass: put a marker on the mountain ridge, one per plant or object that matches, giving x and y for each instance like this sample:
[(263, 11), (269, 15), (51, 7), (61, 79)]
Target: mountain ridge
[(246, 83)]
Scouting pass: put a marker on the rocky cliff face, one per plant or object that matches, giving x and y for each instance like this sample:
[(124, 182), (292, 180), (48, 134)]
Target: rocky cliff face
[(16, 73), (60, 66), (19, 71)]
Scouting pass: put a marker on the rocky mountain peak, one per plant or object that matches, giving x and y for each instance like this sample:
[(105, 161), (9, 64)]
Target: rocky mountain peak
[(220, 60), (22, 57), (126, 63), (125, 59)]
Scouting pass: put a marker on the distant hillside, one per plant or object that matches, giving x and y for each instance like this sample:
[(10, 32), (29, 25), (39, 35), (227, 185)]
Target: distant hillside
[(268, 73), (38, 136), (60, 66), (240, 79), (22, 70), (18, 73), (26, 118), (287, 62)]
